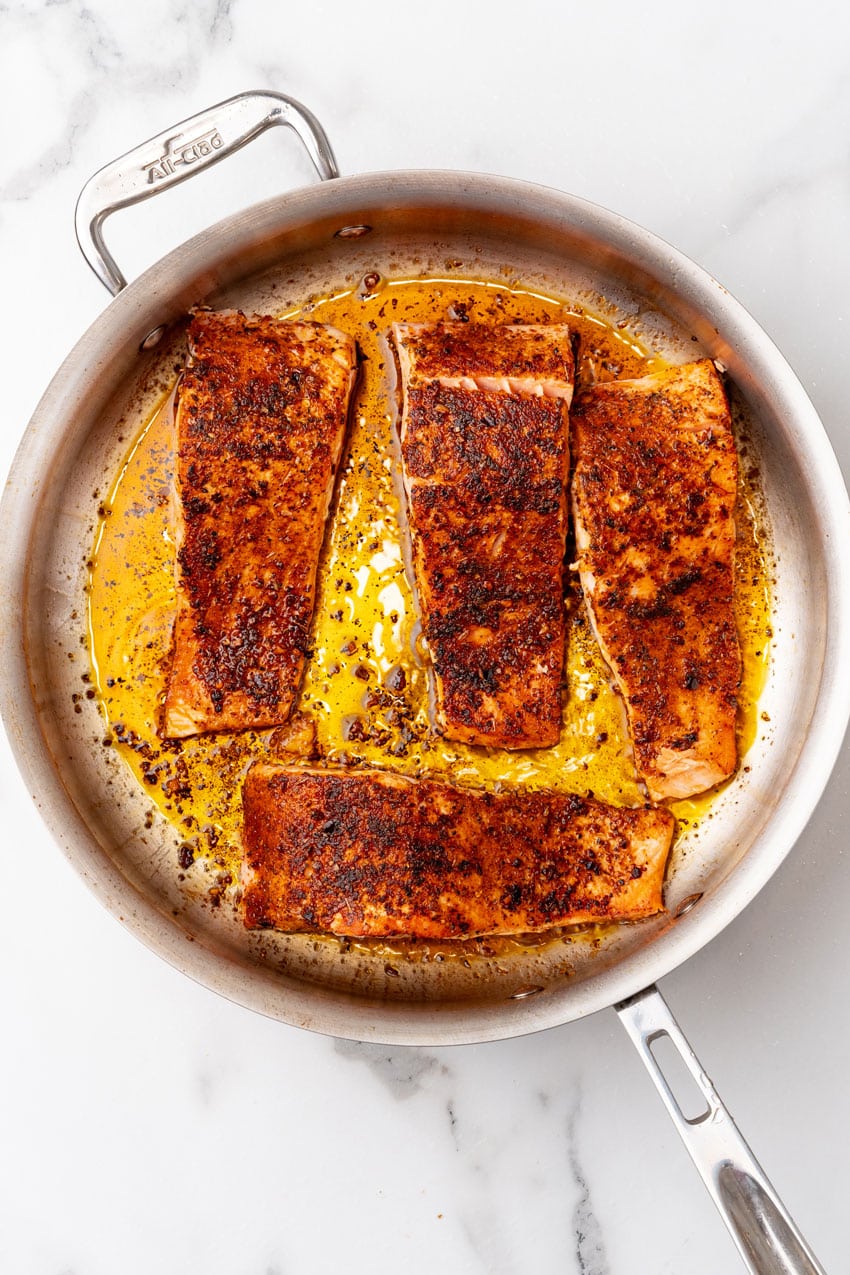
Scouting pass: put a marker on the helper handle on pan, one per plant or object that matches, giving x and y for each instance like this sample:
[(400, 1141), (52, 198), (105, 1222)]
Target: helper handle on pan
[(767, 1238), (178, 153)]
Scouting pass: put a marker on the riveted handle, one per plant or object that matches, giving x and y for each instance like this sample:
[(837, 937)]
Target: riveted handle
[(180, 152), (758, 1222)]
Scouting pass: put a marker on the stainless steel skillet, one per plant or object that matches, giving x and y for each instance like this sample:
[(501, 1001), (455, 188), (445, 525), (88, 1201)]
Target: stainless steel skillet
[(311, 242)]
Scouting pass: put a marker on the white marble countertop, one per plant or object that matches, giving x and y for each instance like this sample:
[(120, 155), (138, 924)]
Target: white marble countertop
[(149, 1124)]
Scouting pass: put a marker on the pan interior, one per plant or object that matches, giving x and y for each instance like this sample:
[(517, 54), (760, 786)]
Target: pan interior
[(107, 822)]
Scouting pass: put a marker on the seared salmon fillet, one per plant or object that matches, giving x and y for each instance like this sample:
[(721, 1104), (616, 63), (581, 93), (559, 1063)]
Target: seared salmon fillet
[(372, 854), (260, 420), (485, 458), (654, 484)]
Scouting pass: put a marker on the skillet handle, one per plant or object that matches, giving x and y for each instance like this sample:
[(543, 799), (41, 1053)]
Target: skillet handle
[(178, 153), (764, 1233)]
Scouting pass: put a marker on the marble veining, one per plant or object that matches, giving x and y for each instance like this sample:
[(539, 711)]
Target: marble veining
[(153, 1126), (77, 36), (452, 1117), (403, 1071), (589, 1242)]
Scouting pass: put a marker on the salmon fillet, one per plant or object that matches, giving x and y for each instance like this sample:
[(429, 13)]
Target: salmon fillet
[(371, 854), (260, 422), (485, 458), (654, 491)]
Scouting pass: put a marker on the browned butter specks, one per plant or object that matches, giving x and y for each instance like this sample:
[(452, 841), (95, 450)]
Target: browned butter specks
[(364, 697)]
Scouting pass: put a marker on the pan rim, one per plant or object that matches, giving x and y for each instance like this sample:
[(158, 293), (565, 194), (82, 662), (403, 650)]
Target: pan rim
[(314, 1007)]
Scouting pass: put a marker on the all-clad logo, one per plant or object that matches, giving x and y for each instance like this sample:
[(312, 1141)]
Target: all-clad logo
[(179, 154)]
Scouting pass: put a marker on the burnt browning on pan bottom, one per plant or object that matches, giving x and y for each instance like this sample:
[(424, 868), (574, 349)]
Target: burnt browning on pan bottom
[(365, 694)]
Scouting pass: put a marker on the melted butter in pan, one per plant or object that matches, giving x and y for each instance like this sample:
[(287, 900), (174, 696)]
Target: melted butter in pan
[(366, 685)]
